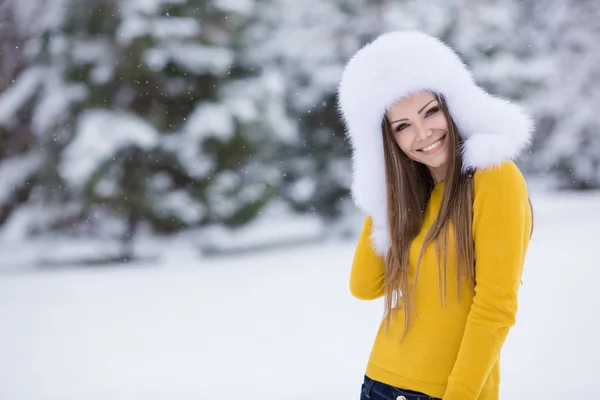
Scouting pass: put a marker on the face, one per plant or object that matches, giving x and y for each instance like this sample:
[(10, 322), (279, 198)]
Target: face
[(420, 129)]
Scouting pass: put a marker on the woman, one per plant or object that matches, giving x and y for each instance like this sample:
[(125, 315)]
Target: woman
[(448, 217)]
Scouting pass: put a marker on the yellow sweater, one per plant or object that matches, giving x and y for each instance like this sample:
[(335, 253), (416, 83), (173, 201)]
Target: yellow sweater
[(453, 352)]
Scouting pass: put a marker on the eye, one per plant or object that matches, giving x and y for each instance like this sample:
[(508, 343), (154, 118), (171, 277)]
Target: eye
[(432, 111), (400, 127)]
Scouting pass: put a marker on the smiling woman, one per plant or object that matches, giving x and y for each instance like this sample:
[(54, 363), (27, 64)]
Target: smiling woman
[(419, 127), (433, 170)]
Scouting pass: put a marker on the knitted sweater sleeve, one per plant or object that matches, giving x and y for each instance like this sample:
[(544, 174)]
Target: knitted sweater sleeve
[(501, 229), (366, 277)]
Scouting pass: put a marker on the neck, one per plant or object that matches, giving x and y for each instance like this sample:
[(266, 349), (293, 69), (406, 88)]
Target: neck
[(438, 174)]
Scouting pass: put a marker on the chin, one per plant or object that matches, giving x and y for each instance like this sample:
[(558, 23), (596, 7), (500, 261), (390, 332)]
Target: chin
[(438, 162)]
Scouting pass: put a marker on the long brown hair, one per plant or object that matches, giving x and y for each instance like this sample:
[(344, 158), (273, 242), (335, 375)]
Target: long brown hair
[(409, 185)]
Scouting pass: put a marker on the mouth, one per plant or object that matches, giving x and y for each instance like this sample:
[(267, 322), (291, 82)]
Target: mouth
[(433, 147)]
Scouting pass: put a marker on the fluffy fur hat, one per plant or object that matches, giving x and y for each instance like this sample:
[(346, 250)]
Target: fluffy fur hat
[(401, 63)]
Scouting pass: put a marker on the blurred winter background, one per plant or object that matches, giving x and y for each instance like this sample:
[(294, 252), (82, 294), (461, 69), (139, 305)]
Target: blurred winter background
[(174, 212)]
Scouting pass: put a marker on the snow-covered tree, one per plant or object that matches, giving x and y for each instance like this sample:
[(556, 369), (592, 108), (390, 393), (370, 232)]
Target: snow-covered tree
[(15, 187), (301, 46), (151, 117), (308, 43), (25, 110), (168, 114), (568, 140)]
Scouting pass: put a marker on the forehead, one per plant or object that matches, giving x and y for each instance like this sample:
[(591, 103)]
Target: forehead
[(410, 104)]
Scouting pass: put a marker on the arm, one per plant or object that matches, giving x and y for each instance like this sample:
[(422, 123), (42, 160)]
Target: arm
[(366, 277), (501, 227)]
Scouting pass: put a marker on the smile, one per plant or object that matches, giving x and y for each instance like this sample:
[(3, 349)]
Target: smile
[(432, 146)]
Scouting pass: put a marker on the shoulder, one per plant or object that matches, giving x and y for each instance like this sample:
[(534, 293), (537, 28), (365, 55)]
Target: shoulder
[(499, 179), (501, 208)]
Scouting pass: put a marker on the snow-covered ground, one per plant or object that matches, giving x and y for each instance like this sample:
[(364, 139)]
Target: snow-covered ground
[(277, 325)]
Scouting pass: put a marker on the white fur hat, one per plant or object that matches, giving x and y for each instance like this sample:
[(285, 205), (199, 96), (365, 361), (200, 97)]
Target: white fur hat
[(398, 64)]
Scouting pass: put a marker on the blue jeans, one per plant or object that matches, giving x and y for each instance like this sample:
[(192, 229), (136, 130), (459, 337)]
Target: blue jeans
[(374, 390)]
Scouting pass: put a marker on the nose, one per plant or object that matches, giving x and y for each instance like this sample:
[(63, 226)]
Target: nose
[(423, 132)]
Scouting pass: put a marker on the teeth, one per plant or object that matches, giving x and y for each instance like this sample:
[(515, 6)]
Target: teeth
[(433, 146)]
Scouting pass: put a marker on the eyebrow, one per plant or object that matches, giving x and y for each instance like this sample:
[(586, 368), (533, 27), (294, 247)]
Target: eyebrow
[(419, 112)]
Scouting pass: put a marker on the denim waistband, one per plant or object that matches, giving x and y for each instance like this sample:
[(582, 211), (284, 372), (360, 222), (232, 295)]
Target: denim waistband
[(376, 390)]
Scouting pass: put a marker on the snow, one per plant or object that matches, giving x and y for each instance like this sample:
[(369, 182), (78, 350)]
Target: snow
[(173, 27), (273, 227), (243, 108), (209, 119), (262, 98), (22, 90), (131, 28), (273, 83), (98, 52), (145, 6), (101, 134), (35, 216), (236, 6), (91, 50), (195, 58), (276, 325), (55, 100), (287, 36), (303, 189), (568, 34), (58, 46), (202, 59), (180, 203), (145, 17), (197, 165), (34, 16), (58, 252), (15, 171), (76, 332), (161, 28)]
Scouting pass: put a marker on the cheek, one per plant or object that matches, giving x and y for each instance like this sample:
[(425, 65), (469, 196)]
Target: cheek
[(440, 122), (403, 141)]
